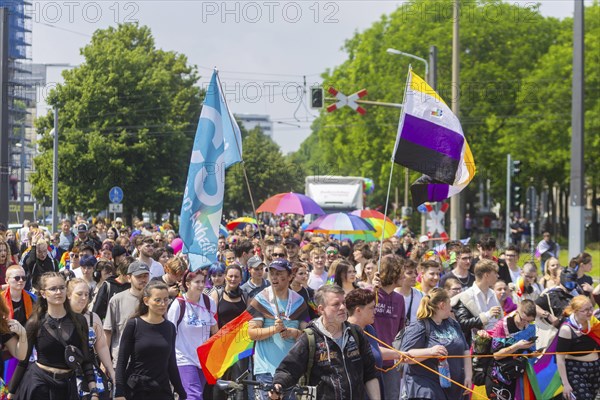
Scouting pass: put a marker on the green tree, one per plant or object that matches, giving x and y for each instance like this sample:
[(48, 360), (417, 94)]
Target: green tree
[(128, 115), (500, 45), (268, 171)]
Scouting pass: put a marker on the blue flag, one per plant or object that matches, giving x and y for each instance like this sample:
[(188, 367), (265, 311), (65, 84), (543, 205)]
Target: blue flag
[(217, 146)]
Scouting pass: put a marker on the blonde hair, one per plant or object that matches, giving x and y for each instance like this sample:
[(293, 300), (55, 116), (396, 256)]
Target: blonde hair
[(576, 304), (430, 303)]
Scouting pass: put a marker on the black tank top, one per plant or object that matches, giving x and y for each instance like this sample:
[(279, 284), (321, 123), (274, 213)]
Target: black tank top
[(228, 311)]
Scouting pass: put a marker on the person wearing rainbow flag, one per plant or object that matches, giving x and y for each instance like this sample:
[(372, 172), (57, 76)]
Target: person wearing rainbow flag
[(279, 315), (580, 372)]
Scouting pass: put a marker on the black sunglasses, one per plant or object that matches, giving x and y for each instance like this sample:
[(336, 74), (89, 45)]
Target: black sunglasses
[(19, 278), (278, 255)]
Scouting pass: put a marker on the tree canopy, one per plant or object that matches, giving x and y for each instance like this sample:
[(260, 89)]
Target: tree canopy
[(515, 83), (127, 117)]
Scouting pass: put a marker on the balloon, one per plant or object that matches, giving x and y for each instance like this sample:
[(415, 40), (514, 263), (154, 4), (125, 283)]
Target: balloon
[(177, 245), (368, 186)]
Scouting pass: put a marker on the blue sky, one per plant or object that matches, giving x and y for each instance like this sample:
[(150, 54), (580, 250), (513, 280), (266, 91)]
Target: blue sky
[(264, 49)]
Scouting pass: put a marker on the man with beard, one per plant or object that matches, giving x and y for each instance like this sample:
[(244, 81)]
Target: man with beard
[(146, 251)]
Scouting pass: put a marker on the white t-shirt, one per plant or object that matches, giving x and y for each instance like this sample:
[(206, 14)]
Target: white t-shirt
[(156, 269), (417, 295), (316, 281), (193, 330)]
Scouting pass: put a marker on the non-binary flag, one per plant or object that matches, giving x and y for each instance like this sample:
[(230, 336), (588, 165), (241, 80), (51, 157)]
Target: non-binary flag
[(431, 141), (217, 146)]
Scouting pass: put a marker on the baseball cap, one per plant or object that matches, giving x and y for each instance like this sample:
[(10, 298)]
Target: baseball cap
[(423, 239), (281, 265), (82, 228), (255, 261), (118, 250), (292, 241), (138, 268), (88, 261), (119, 219)]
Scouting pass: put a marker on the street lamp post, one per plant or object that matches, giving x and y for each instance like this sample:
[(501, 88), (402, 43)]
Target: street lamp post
[(401, 53), (55, 173)]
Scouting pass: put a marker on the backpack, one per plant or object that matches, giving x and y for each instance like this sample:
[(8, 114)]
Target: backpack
[(181, 302), (312, 346), (397, 343)]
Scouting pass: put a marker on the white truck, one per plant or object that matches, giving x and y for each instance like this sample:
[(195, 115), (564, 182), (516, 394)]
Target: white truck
[(336, 193)]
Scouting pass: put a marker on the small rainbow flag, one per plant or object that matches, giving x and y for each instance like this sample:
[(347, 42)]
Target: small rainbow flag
[(229, 345)]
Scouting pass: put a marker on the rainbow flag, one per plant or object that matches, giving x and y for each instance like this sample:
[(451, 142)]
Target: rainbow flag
[(431, 141), (229, 345)]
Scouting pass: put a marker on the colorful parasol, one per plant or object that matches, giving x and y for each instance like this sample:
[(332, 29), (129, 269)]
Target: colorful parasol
[(339, 223), (240, 223), (290, 203)]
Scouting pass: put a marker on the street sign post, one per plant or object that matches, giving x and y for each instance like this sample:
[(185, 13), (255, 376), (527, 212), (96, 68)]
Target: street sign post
[(115, 195)]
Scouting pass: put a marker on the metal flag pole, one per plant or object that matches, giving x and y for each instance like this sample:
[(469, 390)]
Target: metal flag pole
[(387, 197), (239, 149)]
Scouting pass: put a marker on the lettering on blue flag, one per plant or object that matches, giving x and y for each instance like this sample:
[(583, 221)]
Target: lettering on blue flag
[(217, 146)]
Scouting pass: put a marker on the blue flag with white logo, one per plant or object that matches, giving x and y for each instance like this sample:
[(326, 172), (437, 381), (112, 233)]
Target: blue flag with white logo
[(217, 146)]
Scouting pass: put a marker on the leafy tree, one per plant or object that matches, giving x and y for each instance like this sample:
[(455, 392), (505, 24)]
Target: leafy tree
[(127, 118), (500, 45), (268, 171)]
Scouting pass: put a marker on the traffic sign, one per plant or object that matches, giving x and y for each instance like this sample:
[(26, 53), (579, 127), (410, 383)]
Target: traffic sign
[(350, 101), (115, 208), (115, 194)]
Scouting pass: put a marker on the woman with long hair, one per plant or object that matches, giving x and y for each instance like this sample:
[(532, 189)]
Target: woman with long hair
[(345, 276), (231, 302), (443, 337), (12, 337), (362, 254), (147, 365), (368, 273), (6, 260), (551, 276), (299, 285), (59, 336), (194, 317), (79, 298), (579, 373)]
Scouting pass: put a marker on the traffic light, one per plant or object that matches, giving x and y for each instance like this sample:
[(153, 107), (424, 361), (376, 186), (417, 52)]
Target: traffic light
[(516, 196), (316, 97), (516, 168)]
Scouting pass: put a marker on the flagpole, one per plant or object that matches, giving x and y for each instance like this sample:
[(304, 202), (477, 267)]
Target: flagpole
[(387, 197), (238, 147)]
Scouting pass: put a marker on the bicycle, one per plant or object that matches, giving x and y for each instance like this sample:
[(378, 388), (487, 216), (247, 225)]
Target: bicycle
[(237, 386)]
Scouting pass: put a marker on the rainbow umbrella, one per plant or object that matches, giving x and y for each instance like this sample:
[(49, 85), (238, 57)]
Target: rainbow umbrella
[(339, 223), (369, 214), (290, 203), (240, 223), (376, 219)]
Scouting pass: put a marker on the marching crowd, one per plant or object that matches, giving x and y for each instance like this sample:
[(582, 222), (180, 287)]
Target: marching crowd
[(99, 311)]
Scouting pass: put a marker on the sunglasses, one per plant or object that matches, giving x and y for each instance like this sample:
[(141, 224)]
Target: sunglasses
[(331, 252), (278, 255), (20, 278)]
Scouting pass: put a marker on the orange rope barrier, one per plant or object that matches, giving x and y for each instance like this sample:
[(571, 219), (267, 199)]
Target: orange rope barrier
[(406, 356)]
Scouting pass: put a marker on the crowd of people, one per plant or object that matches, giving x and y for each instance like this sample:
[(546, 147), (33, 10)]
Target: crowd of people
[(102, 310)]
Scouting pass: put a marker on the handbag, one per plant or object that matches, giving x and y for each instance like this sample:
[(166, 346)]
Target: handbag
[(73, 355), (546, 332)]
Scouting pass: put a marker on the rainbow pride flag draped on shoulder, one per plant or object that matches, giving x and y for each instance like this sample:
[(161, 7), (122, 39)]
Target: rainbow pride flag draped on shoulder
[(431, 141), (229, 345), (542, 381)]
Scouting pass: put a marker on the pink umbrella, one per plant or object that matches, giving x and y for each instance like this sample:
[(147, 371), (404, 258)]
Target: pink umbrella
[(290, 203)]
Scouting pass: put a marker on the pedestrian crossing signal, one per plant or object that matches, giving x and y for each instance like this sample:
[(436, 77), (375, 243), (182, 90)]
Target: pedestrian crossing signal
[(316, 97)]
